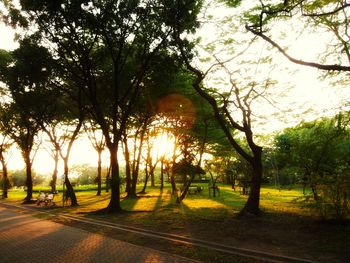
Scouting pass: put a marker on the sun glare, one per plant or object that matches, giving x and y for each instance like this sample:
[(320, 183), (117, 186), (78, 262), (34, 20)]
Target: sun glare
[(163, 146)]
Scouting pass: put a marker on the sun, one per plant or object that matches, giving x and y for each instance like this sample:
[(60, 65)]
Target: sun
[(163, 146)]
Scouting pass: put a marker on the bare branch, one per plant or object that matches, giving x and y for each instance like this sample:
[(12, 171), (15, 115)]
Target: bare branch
[(333, 12), (333, 67)]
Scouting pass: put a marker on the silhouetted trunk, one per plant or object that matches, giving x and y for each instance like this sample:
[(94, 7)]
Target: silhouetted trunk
[(136, 164), (5, 180), (99, 172), (145, 182), (233, 182), (152, 179), (114, 203), (252, 204), (108, 178), (55, 172), (29, 179), (173, 184), (127, 168), (185, 190), (172, 176), (70, 191), (162, 174)]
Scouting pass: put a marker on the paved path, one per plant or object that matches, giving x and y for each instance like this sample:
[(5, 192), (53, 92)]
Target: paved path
[(27, 239)]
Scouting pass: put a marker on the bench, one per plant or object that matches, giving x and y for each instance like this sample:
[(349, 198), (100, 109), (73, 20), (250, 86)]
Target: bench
[(46, 198), (194, 189)]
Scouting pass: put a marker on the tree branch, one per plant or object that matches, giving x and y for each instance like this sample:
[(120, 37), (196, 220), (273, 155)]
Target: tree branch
[(333, 67)]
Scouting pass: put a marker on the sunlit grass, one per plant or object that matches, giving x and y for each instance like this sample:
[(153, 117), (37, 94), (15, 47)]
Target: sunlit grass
[(211, 218), (271, 199), (159, 206)]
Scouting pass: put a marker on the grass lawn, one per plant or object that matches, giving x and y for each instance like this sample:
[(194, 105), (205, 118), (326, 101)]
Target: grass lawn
[(284, 228)]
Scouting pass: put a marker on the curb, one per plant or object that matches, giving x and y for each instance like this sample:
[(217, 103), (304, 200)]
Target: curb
[(260, 255)]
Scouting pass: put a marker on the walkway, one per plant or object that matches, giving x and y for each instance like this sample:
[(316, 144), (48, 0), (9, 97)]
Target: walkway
[(27, 239)]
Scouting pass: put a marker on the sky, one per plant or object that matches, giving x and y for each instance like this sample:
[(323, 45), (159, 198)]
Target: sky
[(299, 90)]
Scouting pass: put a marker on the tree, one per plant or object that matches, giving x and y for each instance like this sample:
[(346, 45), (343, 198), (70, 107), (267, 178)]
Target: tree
[(318, 152), (22, 129), (99, 144), (22, 73), (243, 89), (5, 144), (106, 47)]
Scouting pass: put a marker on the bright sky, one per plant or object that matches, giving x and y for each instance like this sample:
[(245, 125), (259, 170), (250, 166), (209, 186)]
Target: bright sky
[(6, 38), (298, 91)]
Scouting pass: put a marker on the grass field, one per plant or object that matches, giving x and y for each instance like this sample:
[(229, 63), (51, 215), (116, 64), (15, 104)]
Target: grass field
[(284, 228)]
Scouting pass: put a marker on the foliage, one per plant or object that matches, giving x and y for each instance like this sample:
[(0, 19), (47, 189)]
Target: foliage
[(18, 178), (105, 48), (335, 196), (5, 183), (316, 154), (327, 17), (85, 174)]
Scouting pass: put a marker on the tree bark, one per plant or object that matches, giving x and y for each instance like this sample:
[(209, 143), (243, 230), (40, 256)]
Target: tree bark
[(127, 168), (147, 175), (108, 176), (5, 180), (185, 190), (136, 165), (162, 174), (99, 172), (29, 179), (152, 179), (55, 172), (253, 202), (70, 190), (114, 203)]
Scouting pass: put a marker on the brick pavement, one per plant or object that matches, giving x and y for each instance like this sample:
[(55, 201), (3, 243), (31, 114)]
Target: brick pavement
[(27, 239)]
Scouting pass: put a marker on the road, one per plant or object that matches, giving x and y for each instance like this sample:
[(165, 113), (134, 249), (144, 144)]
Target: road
[(24, 238)]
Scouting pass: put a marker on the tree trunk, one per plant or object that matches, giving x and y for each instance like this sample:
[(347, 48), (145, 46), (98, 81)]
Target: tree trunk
[(5, 179), (162, 174), (29, 179), (55, 172), (185, 190), (99, 172), (114, 203), (147, 175), (70, 191), (127, 168), (108, 176), (173, 184), (136, 166), (152, 179), (252, 204), (233, 182)]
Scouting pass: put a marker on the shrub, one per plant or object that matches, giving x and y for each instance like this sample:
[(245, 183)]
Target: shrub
[(18, 178), (334, 197)]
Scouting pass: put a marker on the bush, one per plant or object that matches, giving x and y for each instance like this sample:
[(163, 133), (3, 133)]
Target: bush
[(5, 184), (334, 197), (18, 178)]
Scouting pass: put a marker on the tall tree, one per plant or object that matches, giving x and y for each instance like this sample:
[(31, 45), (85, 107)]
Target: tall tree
[(106, 48), (233, 102), (5, 144), (23, 130), (98, 142), (23, 71)]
